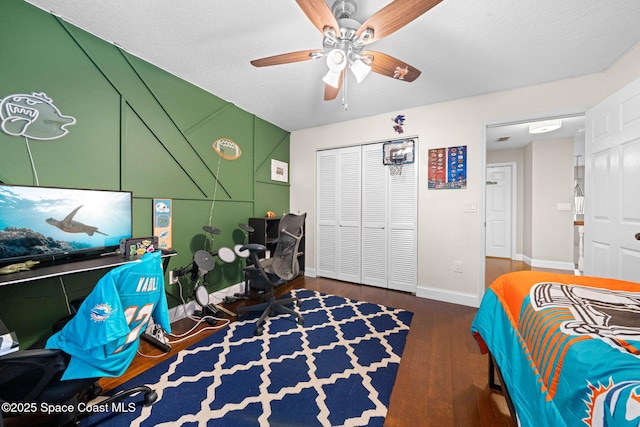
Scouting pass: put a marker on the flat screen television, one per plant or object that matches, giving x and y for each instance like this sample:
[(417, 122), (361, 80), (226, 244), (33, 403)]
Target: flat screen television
[(58, 224)]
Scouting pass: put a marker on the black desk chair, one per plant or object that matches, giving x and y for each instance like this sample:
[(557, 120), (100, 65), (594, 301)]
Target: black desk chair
[(36, 375), (268, 274)]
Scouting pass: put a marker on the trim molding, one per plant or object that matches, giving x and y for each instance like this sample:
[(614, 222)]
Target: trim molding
[(558, 265), (459, 298)]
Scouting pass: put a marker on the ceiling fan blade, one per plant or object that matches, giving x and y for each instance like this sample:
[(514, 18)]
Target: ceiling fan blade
[(394, 16), (319, 14), (285, 58), (391, 67), (331, 92)]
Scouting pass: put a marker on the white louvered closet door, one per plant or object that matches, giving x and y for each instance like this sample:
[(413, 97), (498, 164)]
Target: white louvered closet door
[(349, 204), (403, 230), (374, 216), (327, 214), (367, 219)]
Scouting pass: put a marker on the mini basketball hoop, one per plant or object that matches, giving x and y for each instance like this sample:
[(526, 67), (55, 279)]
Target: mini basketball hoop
[(395, 168), (397, 153)]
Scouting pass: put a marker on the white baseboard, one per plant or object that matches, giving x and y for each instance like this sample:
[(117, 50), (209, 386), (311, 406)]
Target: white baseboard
[(557, 265), (184, 310), (460, 298)]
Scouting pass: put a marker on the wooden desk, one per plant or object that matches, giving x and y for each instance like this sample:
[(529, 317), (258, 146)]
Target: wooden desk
[(73, 267)]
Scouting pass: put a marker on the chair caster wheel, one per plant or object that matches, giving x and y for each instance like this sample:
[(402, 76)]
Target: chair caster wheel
[(300, 321), (257, 332), (150, 397)]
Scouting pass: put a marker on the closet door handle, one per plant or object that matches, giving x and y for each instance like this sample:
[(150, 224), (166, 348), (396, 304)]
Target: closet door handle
[(637, 236)]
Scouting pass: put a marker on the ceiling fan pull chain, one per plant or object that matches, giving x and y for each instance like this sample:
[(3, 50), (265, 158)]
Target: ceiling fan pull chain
[(344, 91)]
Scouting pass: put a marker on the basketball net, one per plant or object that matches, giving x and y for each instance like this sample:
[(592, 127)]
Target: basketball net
[(395, 169)]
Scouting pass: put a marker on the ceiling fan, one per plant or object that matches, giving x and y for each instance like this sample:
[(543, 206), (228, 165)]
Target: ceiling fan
[(344, 40)]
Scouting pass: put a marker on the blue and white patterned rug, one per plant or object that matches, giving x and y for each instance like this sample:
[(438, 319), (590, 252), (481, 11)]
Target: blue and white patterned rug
[(338, 369)]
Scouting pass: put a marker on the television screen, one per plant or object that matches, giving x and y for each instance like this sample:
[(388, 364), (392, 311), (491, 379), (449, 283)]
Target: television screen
[(53, 223)]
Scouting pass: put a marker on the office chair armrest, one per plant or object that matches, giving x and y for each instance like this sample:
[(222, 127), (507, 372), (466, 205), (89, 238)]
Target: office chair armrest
[(253, 247)]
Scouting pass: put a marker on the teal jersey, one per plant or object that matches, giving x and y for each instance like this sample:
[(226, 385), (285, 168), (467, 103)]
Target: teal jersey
[(103, 337)]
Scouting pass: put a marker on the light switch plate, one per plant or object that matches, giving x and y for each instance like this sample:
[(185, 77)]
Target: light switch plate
[(470, 206)]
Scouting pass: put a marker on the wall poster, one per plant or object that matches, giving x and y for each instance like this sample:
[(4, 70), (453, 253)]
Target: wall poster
[(162, 222), (448, 168)]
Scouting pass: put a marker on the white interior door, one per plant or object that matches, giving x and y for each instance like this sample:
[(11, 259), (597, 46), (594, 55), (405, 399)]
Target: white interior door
[(499, 211), (367, 220), (612, 175), (327, 214), (349, 211), (403, 229), (374, 216)]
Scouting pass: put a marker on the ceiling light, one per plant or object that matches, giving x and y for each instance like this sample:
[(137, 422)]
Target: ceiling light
[(360, 70), (545, 126), (332, 79), (336, 61)]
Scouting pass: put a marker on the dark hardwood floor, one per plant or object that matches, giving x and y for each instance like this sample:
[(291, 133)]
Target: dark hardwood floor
[(443, 378)]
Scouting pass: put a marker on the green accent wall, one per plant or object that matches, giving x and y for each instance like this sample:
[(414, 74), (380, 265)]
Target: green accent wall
[(138, 129)]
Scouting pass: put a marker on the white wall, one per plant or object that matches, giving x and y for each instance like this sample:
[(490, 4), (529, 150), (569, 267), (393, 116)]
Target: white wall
[(445, 232), (552, 183)]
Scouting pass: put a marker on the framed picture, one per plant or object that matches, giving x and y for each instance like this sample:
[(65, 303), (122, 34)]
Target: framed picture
[(279, 171)]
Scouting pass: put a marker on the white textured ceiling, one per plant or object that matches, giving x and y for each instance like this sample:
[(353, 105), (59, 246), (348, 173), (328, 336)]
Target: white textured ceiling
[(462, 47)]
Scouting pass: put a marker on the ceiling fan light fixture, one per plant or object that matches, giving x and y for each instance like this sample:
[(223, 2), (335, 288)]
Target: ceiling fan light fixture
[(360, 70), (545, 126), (336, 60), (332, 78)]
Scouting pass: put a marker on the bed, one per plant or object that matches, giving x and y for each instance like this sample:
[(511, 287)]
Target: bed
[(567, 347)]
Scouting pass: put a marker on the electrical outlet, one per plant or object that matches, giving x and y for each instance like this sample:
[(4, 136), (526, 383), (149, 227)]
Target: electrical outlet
[(457, 266), (173, 277)]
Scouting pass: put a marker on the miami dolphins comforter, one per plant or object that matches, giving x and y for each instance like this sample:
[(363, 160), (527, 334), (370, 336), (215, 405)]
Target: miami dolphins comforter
[(568, 347)]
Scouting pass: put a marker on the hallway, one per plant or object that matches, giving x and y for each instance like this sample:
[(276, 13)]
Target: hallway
[(495, 267)]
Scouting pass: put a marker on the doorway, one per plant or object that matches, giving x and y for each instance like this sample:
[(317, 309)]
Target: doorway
[(506, 143)]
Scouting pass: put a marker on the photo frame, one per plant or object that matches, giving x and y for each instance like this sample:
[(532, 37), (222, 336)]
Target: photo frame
[(279, 171)]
